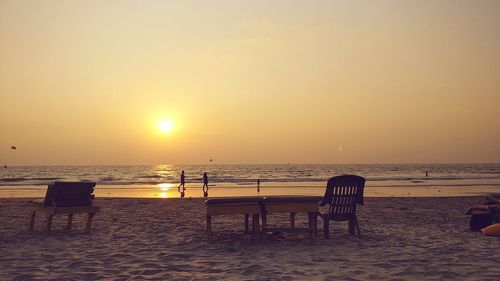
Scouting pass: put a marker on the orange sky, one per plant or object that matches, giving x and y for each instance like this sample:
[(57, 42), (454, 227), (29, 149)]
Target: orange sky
[(86, 82)]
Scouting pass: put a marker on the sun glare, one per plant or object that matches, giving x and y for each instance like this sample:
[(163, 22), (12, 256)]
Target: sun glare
[(165, 126)]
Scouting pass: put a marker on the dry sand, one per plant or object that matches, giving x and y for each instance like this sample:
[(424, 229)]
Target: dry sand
[(164, 239)]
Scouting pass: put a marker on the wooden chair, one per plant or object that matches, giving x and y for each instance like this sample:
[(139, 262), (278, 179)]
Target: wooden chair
[(66, 198), (232, 206), (342, 194)]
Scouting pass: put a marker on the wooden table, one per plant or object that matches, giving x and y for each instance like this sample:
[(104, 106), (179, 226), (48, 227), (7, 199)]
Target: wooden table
[(292, 204)]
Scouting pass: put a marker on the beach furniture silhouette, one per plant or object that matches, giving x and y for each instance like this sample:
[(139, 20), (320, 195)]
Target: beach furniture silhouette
[(292, 204), (246, 205), (342, 195), (66, 198), (484, 214)]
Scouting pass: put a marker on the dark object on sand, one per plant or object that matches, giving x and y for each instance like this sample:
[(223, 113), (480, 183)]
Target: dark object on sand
[(485, 214), (479, 221), (67, 198), (342, 194), (491, 199)]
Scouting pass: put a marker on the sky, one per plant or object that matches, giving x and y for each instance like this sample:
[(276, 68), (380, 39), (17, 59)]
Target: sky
[(87, 82)]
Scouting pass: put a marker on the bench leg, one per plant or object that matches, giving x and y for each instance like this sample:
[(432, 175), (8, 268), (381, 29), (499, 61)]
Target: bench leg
[(89, 222), (256, 226), (292, 220), (209, 227), (70, 222), (49, 223), (326, 226), (312, 224), (246, 223), (264, 223), (32, 220), (315, 224)]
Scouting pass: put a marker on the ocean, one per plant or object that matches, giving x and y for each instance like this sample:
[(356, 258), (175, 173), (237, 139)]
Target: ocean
[(228, 180)]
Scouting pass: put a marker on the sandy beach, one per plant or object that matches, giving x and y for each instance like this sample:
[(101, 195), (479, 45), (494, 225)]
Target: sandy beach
[(164, 239)]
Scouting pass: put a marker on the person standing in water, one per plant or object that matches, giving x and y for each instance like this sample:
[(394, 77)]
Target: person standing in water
[(205, 185), (258, 185)]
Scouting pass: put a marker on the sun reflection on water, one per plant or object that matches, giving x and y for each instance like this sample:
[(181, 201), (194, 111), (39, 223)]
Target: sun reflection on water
[(165, 186)]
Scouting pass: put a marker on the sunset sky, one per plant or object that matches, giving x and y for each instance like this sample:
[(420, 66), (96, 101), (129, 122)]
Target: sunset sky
[(88, 82)]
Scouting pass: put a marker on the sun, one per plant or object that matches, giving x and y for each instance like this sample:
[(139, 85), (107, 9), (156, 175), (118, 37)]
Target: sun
[(165, 125)]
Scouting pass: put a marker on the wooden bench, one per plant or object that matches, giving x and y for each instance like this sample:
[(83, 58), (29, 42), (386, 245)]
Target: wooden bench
[(233, 206), (292, 204), (261, 207), (66, 198)]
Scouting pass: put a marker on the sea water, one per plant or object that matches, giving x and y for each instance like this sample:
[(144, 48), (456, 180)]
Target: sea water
[(230, 180)]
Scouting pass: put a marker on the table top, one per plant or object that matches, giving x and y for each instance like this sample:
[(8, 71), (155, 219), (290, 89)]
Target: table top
[(263, 199)]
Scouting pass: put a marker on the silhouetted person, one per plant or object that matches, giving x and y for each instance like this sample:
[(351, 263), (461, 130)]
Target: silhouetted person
[(183, 183), (205, 185), (426, 173), (258, 185)]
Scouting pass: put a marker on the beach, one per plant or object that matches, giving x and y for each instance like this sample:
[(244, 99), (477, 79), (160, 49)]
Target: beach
[(421, 238)]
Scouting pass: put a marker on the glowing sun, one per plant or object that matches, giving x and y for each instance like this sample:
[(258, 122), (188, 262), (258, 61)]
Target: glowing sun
[(165, 126)]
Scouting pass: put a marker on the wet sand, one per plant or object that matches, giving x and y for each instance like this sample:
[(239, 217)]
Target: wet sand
[(372, 189), (164, 239)]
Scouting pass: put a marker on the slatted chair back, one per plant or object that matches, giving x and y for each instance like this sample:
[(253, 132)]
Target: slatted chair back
[(342, 194), (69, 194)]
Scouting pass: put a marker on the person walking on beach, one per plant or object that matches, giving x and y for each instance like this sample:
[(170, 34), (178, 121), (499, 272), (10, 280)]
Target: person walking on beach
[(183, 182), (205, 185), (258, 185)]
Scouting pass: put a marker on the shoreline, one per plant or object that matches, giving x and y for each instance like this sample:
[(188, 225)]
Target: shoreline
[(167, 190)]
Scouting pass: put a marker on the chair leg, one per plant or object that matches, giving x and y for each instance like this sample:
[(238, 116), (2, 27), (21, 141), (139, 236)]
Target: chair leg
[(49, 223), (89, 222), (358, 230), (32, 220), (351, 226), (70, 222), (209, 227), (326, 226)]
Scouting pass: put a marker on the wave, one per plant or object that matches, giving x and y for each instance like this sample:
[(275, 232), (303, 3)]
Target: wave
[(108, 179), (13, 179), (149, 177), (248, 182)]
